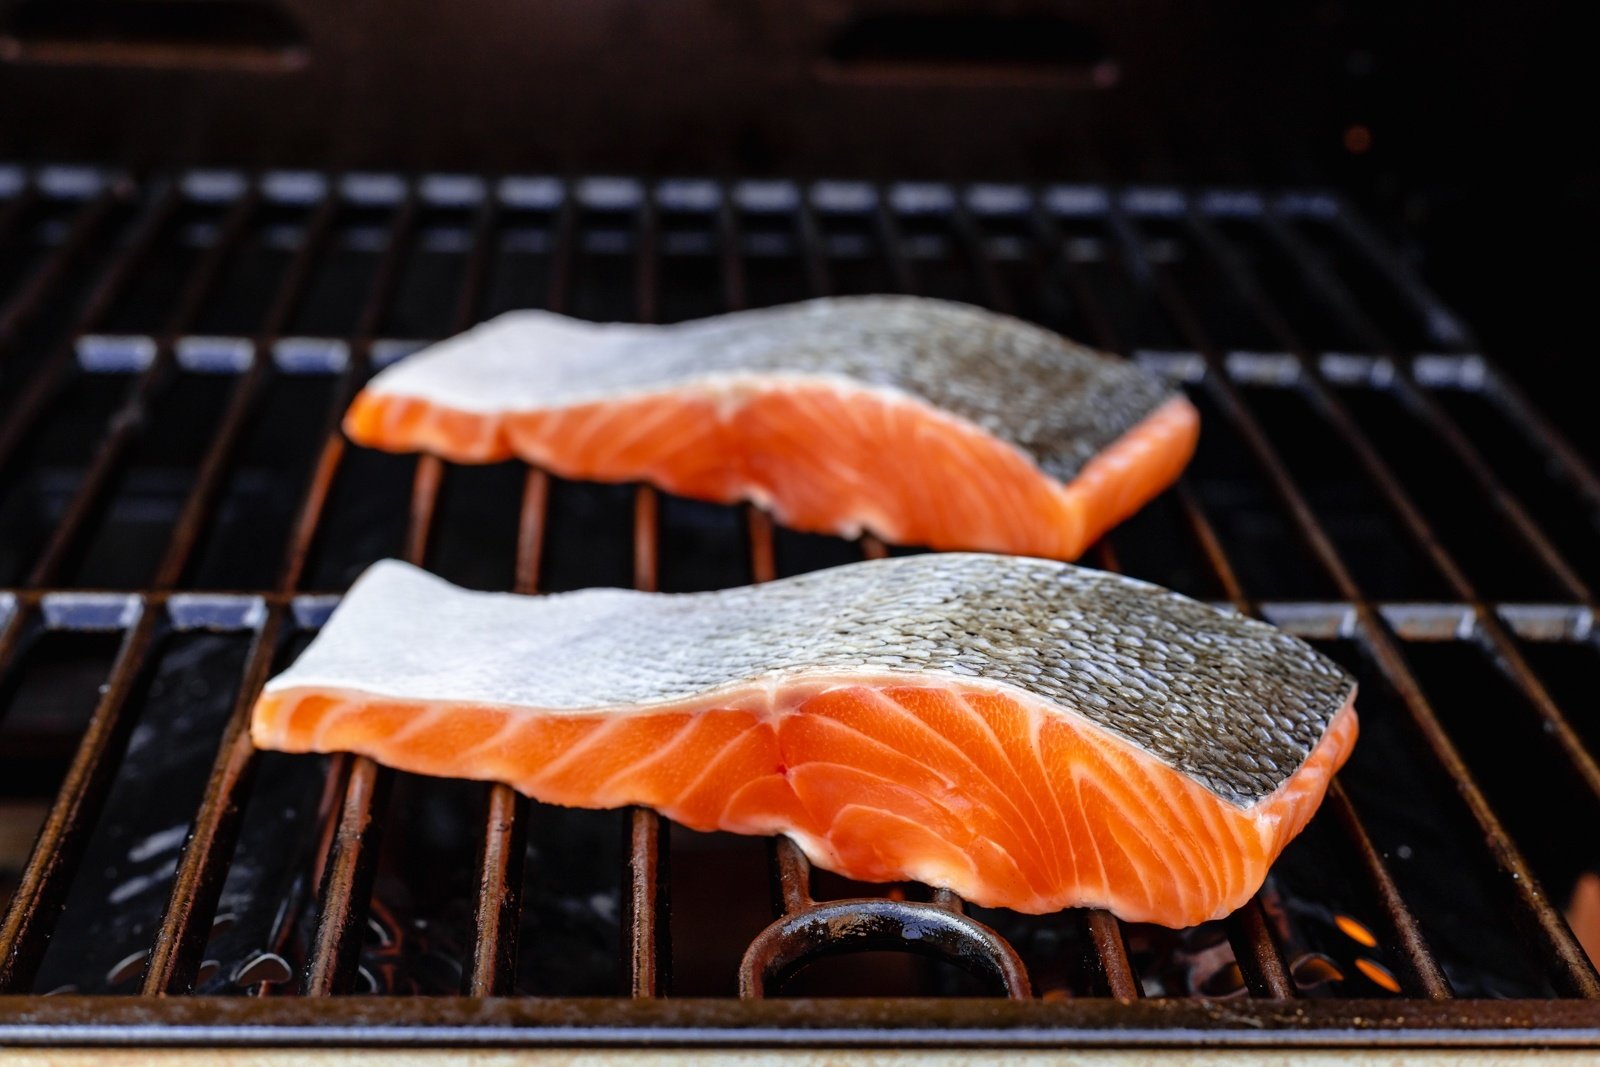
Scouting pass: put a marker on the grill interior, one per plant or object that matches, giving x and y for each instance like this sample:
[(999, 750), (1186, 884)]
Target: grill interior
[(178, 514)]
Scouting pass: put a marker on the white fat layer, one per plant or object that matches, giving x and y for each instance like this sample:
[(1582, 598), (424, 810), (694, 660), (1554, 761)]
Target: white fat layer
[(541, 361)]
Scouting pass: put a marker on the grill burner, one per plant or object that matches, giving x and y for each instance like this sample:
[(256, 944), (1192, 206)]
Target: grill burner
[(178, 514)]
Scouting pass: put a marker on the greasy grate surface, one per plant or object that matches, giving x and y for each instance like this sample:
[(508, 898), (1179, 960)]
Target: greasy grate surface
[(178, 514)]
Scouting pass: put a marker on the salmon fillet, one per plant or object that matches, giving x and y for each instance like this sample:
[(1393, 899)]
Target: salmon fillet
[(922, 421), (1030, 734)]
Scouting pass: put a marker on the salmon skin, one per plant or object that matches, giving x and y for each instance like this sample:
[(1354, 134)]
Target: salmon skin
[(1030, 734), (922, 421)]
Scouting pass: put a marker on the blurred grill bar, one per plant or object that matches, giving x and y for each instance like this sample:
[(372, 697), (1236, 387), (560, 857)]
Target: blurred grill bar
[(1576, 972), (644, 900), (1026, 251), (347, 878)]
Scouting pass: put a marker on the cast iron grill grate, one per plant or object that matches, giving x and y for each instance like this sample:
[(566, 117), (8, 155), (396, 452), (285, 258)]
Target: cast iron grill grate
[(178, 514)]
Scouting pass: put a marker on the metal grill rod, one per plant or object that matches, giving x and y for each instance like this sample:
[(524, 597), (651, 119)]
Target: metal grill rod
[(1420, 973), (497, 908), (808, 230), (1177, 1025), (181, 938), (902, 274), (1546, 438), (198, 508), (1576, 973), (202, 866), (1488, 628), (52, 374), (1424, 973), (59, 845), (1325, 399), (1253, 949), (127, 424), (30, 300), (347, 876), (12, 214), (645, 891), (58, 849), (1443, 326), (1333, 291)]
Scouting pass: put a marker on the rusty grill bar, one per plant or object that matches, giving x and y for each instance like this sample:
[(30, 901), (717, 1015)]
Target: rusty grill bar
[(1320, 358)]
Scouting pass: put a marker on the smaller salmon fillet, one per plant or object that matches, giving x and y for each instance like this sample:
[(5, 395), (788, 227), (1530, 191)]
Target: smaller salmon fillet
[(1030, 734), (922, 421)]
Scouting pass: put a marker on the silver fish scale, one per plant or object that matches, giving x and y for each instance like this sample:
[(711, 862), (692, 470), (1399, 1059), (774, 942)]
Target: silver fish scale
[(1059, 402), (1235, 704)]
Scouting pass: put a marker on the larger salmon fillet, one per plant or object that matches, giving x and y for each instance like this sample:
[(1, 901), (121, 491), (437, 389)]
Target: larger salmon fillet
[(922, 421), (1030, 734)]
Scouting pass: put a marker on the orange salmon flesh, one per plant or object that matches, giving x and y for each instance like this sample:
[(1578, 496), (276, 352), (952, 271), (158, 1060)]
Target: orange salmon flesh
[(822, 457), (1005, 802)]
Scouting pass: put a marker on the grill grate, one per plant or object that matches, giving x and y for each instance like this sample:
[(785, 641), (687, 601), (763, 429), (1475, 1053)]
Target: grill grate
[(174, 358)]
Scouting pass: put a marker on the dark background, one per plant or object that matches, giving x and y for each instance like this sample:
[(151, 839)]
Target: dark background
[(1457, 124)]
